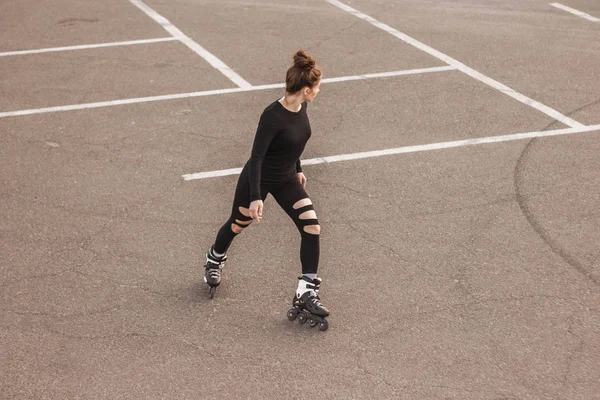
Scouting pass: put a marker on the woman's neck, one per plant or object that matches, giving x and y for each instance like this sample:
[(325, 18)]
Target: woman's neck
[(292, 102)]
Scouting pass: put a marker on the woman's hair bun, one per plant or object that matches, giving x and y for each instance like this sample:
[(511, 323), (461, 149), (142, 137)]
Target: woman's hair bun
[(302, 73), (303, 60)]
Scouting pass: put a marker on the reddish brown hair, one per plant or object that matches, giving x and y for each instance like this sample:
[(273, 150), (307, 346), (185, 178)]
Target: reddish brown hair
[(303, 72)]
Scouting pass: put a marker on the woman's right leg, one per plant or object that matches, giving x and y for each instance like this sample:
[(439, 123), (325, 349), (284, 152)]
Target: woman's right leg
[(239, 218)]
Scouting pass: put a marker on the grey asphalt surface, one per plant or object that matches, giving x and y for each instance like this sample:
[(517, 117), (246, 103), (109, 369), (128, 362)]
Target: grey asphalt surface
[(465, 273)]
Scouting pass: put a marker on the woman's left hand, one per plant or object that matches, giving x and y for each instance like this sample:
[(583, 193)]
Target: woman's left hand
[(302, 179)]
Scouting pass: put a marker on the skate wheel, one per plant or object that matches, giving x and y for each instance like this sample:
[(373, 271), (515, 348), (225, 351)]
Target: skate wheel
[(323, 325), (312, 322), (292, 314), (211, 292), (302, 319)]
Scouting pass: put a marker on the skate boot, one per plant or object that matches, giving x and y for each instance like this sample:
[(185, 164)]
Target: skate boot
[(307, 305), (212, 271)]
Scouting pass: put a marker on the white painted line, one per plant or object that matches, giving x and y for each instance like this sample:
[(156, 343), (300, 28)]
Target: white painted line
[(575, 12), (460, 66), (267, 87), (366, 76), (410, 149), (369, 76), (389, 74), (212, 174), (205, 93), (86, 46), (201, 51), (119, 102)]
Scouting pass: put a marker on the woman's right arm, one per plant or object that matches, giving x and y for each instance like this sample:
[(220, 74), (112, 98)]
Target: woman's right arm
[(265, 133)]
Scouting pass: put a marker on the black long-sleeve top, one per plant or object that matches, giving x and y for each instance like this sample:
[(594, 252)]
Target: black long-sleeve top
[(279, 142)]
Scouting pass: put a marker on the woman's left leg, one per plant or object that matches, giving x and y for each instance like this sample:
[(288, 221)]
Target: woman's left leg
[(294, 200)]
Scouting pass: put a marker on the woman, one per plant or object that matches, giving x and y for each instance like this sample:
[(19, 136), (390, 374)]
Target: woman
[(274, 167)]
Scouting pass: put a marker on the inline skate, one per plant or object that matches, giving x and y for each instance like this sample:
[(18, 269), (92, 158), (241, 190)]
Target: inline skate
[(212, 271), (306, 305)]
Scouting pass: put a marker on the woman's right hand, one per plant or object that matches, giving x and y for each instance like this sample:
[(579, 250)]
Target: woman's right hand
[(256, 210)]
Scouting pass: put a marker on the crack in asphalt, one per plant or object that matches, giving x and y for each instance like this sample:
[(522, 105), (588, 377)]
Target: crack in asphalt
[(340, 186), (126, 285), (99, 337), (572, 353), (399, 387), (503, 200), (77, 314), (482, 301), (509, 198), (336, 34), (53, 274), (389, 248), (200, 348), (33, 277), (461, 276)]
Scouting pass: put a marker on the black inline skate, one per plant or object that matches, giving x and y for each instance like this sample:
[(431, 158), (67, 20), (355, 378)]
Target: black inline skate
[(307, 306), (212, 271)]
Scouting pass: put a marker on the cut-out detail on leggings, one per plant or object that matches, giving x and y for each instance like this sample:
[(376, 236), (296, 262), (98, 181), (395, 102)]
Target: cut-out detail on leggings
[(236, 229), (302, 203), (311, 214), (245, 212), (238, 226), (312, 229)]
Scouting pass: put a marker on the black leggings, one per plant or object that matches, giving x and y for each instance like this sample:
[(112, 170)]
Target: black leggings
[(286, 194)]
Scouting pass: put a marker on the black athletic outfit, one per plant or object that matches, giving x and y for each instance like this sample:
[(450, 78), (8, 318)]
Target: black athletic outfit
[(274, 162)]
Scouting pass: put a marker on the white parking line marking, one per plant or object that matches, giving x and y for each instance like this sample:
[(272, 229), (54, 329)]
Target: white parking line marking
[(210, 93), (389, 74), (86, 46), (410, 149), (460, 66), (201, 51), (575, 12)]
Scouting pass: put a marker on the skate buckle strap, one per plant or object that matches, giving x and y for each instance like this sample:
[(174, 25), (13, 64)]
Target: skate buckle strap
[(216, 259), (217, 262), (312, 302), (213, 265)]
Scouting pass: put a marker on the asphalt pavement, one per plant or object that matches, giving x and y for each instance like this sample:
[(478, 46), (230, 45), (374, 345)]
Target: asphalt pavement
[(460, 259)]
